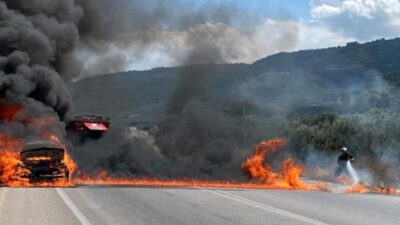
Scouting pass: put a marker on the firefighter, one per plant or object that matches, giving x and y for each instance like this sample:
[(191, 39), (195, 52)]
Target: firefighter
[(342, 160)]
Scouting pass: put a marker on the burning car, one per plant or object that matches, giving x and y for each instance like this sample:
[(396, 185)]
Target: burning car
[(89, 126), (42, 161)]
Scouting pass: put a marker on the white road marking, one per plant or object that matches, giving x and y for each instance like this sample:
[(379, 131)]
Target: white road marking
[(267, 207), (2, 194), (82, 218)]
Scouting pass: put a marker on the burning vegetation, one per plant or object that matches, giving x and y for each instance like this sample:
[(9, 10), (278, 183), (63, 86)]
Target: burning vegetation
[(52, 166), (48, 164), (19, 166), (287, 178), (361, 188), (261, 175)]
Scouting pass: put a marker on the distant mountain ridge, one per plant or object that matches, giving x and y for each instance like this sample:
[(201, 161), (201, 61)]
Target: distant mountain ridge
[(142, 95)]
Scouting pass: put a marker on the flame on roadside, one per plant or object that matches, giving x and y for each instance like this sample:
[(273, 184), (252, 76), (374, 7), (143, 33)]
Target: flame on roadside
[(386, 190), (343, 179), (287, 178), (262, 176), (359, 188), (362, 188)]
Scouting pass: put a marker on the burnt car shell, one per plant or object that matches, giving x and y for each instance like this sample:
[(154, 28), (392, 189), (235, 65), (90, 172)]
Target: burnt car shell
[(44, 160)]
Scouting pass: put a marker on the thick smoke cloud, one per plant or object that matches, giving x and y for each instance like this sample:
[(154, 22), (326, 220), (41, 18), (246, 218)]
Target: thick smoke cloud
[(46, 30), (35, 38), (43, 44), (194, 139), (139, 156), (170, 32)]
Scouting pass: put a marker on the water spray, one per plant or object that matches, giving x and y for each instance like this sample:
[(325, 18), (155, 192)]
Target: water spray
[(353, 173)]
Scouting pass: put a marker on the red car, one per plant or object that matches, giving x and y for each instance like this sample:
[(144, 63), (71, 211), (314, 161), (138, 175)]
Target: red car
[(89, 126)]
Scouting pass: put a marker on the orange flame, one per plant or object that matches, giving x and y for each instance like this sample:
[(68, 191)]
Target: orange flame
[(10, 175), (12, 172), (9, 160), (72, 166), (254, 165), (343, 179), (360, 188), (289, 176), (262, 175), (385, 190), (8, 110)]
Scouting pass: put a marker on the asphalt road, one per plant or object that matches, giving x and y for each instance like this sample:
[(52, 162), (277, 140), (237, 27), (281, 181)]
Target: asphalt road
[(153, 206)]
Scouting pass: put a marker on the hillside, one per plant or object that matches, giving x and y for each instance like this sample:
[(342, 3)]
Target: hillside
[(368, 73)]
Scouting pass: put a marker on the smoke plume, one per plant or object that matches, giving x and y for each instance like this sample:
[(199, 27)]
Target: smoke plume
[(194, 137), (37, 41), (135, 32)]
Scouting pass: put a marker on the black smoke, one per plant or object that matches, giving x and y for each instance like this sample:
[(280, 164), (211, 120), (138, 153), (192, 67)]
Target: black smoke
[(195, 137), (114, 34), (37, 42)]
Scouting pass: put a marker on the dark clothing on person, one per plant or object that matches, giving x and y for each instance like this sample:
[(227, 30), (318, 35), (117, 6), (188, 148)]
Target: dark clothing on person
[(342, 164), (343, 158)]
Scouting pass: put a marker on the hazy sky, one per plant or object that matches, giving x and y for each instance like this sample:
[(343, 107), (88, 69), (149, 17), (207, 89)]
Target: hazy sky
[(271, 26)]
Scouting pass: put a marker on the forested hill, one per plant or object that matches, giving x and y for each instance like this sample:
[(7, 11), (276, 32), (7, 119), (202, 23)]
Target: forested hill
[(303, 77), (381, 55)]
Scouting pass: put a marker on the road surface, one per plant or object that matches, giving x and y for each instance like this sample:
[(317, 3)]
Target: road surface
[(153, 206)]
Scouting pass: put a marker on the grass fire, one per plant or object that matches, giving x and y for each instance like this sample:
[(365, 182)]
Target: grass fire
[(261, 175), (44, 161), (13, 161)]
